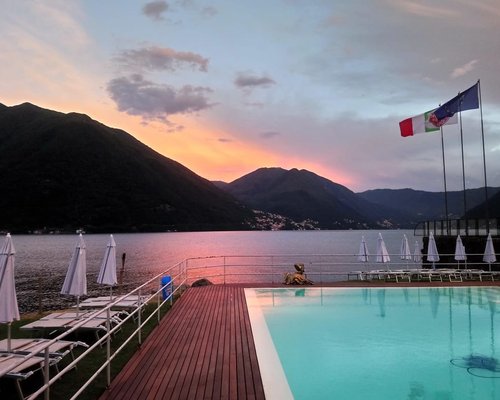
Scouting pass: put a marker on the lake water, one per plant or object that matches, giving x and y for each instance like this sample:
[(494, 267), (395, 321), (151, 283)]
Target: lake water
[(42, 260)]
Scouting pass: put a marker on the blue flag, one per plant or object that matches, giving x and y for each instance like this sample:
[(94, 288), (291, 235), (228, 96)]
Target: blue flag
[(467, 100)]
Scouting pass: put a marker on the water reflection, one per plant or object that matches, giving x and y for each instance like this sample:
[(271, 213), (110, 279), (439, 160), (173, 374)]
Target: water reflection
[(434, 300), (381, 301)]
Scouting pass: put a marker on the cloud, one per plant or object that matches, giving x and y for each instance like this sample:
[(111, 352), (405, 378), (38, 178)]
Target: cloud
[(209, 11), (428, 11), (224, 140), (161, 58), (269, 134), (152, 101), (461, 71), (155, 10), (246, 81)]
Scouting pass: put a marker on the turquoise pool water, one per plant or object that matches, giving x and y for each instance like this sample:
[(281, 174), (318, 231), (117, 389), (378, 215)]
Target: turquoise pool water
[(380, 343)]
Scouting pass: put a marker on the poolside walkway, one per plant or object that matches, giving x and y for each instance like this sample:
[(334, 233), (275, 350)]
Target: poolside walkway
[(202, 349)]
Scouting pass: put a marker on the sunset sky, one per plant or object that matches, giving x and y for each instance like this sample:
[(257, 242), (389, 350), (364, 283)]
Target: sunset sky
[(225, 87)]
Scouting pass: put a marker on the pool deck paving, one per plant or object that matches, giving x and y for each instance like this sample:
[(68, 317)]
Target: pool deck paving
[(203, 347)]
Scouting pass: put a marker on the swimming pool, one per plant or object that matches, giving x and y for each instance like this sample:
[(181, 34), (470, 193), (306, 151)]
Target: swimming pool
[(377, 343)]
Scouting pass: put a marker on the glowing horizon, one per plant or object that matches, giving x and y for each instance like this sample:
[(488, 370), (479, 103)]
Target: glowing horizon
[(324, 92)]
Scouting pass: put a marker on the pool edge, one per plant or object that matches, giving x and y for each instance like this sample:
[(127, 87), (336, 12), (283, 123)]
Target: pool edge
[(273, 376)]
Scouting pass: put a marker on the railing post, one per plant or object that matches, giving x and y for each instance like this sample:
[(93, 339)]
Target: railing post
[(139, 323), (160, 298), (108, 347), (46, 376), (224, 270), (171, 291), (272, 272)]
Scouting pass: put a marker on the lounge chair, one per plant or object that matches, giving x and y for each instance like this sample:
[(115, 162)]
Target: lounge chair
[(13, 367), (477, 274), (430, 275), (122, 303), (59, 348), (359, 275), (399, 275), (453, 275), (67, 320)]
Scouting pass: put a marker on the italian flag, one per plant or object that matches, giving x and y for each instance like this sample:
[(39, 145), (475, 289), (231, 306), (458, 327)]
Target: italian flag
[(423, 123)]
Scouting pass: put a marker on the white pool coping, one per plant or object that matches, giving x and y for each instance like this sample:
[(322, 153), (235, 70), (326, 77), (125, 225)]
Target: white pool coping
[(273, 376)]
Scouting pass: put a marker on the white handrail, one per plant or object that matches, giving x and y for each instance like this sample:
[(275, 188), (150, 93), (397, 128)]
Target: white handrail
[(180, 278)]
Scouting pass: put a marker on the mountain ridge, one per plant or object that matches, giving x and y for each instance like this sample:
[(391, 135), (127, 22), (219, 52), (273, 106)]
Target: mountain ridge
[(302, 195), (68, 171), (377, 208)]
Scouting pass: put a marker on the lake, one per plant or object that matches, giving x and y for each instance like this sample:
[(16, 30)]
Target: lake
[(42, 260)]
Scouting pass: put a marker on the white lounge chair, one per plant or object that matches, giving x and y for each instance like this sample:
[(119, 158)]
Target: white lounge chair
[(13, 367), (60, 348), (66, 320)]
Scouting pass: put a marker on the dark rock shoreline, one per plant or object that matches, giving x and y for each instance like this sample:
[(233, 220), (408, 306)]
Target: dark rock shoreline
[(42, 293)]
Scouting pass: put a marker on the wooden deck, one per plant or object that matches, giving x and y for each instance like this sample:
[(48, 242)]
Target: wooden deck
[(202, 349)]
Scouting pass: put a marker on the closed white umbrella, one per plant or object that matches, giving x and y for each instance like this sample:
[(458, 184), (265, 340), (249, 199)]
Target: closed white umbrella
[(9, 310), (363, 251), (432, 252), (405, 252), (460, 254), (417, 254), (107, 272), (489, 251), (382, 254), (75, 283)]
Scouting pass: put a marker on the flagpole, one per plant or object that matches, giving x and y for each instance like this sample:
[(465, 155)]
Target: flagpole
[(484, 161), (445, 189), (463, 169)]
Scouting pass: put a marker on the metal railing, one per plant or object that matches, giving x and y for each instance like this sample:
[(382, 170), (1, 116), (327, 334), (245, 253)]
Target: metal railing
[(462, 227), (225, 269), (322, 269), (145, 295)]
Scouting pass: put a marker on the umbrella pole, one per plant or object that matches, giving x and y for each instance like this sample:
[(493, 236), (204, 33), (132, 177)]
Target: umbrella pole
[(77, 307), (110, 294), (9, 347)]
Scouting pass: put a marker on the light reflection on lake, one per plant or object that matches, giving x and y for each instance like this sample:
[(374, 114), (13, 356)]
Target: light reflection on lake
[(45, 258)]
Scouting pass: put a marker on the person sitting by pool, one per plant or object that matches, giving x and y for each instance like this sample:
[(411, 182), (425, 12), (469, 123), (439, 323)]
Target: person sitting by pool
[(297, 278)]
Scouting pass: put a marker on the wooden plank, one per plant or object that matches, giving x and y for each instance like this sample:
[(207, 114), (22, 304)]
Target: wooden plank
[(189, 378), (211, 372), (240, 354), (135, 367), (209, 353), (155, 358), (188, 371), (164, 387)]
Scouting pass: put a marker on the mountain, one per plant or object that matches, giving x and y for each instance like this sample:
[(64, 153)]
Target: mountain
[(479, 211), (420, 205), (67, 171), (303, 196)]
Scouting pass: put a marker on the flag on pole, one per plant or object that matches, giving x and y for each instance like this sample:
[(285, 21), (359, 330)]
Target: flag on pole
[(424, 123), (467, 100)]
